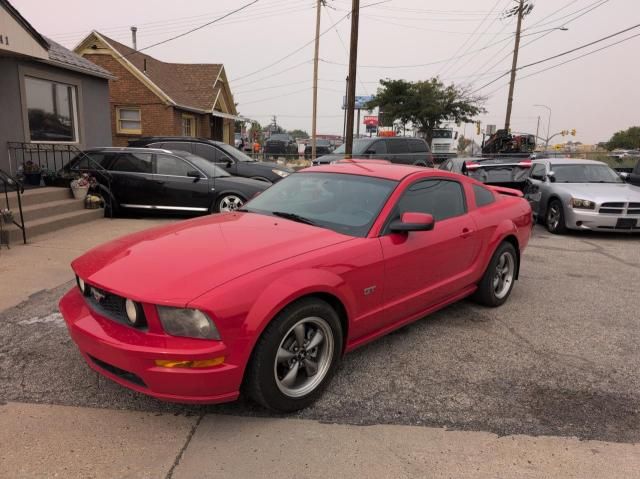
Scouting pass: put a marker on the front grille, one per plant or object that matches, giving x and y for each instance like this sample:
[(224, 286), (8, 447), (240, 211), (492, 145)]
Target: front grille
[(438, 147), (619, 208), (121, 373), (110, 306)]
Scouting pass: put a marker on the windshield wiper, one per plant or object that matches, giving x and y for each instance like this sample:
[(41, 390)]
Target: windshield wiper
[(293, 217)]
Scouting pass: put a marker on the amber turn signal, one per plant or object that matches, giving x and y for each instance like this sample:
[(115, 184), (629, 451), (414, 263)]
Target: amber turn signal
[(200, 363)]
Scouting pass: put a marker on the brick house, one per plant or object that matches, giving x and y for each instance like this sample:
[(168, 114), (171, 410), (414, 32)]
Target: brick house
[(149, 97)]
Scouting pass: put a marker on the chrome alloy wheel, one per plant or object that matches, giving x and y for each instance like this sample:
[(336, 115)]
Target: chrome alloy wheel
[(304, 357), (553, 216), (504, 273), (231, 203)]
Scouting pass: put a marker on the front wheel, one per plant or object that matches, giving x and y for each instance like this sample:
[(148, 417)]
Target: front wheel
[(228, 202), (498, 280), (295, 357), (554, 218)]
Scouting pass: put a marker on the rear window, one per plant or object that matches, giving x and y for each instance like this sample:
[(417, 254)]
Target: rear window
[(91, 161), (279, 137), (133, 163), (499, 173)]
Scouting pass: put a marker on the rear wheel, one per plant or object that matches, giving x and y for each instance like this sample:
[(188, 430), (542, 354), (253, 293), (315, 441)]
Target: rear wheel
[(554, 218), (228, 202), (295, 357), (497, 282)]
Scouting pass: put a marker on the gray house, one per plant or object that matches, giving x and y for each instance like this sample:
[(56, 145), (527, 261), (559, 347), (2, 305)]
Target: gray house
[(52, 101)]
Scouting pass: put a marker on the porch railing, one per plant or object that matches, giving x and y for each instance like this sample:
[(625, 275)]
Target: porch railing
[(9, 183), (51, 159)]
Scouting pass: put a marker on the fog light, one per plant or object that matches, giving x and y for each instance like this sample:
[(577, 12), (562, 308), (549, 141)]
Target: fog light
[(132, 311), (82, 285), (200, 363)]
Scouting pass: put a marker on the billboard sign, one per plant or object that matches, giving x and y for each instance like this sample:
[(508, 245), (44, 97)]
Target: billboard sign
[(361, 101), (371, 121)]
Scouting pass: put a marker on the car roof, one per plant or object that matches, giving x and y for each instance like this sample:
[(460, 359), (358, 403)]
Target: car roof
[(567, 161), (190, 139), (388, 171), (135, 149)]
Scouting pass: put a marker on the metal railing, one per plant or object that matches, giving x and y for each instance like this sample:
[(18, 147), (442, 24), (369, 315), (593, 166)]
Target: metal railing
[(50, 160), (10, 183)]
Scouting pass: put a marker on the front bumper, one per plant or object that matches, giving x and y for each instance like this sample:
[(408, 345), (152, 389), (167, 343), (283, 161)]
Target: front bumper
[(127, 356), (578, 219)]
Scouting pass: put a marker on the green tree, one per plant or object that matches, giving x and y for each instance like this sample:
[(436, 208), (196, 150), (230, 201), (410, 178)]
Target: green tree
[(255, 133), (299, 133), (426, 104), (463, 143), (628, 139)]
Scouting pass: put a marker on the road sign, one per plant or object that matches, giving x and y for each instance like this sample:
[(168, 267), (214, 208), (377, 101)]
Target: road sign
[(371, 121), (361, 101)]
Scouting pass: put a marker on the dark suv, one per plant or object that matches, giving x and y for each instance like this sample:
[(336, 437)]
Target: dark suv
[(402, 150), (234, 161), (323, 147), (280, 144), (156, 179)]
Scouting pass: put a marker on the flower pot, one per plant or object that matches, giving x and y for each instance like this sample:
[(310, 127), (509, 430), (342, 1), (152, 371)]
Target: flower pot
[(80, 192), (33, 178)]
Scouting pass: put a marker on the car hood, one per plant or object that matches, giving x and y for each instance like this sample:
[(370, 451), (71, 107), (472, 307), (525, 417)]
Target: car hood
[(330, 157), (269, 165), (601, 192), (177, 263)]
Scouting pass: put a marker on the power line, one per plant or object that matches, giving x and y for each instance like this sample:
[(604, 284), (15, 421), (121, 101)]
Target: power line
[(558, 55)]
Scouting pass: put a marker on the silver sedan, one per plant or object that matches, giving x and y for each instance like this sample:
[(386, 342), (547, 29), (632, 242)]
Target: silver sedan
[(567, 193)]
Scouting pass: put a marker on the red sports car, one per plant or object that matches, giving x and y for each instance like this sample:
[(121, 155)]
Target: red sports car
[(267, 299)]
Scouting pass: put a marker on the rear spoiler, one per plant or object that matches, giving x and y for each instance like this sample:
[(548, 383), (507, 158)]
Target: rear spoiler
[(506, 191)]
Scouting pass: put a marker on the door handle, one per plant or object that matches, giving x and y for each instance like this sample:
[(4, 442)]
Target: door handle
[(466, 232)]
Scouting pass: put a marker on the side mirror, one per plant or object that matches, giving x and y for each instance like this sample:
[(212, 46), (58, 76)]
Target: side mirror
[(229, 163), (195, 175), (625, 176), (551, 176), (412, 222)]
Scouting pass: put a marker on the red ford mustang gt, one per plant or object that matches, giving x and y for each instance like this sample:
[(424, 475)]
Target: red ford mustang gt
[(268, 298)]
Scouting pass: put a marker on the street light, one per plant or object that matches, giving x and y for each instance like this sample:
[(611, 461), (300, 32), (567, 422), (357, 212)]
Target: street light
[(546, 145)]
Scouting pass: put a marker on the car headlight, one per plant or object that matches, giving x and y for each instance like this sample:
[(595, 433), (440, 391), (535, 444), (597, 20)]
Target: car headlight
[(191, 323), (583, 204), (281, 173)]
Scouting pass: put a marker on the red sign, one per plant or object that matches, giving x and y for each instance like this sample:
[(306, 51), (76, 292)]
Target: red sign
[(371, 120)]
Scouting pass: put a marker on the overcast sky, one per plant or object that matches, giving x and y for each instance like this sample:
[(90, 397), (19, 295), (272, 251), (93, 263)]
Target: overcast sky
[(411, 39)]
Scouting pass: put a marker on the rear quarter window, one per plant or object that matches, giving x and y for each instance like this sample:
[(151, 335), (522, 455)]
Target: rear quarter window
[(397, 146), (483, 196)]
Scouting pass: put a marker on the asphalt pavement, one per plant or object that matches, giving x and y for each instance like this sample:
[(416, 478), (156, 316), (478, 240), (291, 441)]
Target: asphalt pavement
[(559, 358)]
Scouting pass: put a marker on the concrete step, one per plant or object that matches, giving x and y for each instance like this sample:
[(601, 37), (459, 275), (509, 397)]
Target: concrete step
[(50, 223), (50, 208), (37, 196)]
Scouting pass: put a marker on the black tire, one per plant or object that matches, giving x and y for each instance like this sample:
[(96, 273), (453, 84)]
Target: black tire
[(554, 218), (261, 381), (223, 199), (487, 293)]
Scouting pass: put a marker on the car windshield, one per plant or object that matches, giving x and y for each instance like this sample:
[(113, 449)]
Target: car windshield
[(235, 153), (347, 204), (279, 137), (207, 167), (359, 147), (584, 173)]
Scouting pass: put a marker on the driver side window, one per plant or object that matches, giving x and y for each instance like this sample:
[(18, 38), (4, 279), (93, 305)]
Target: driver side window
[(441, 198), (538, 172)]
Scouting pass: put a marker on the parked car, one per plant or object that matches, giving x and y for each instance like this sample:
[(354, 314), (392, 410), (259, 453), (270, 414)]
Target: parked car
[(323, 147), (634, 176), (157, 179), (568, 193), (268, 298), (401, 150), (234, 161), (510, 172), (280, 144), (237, 140)]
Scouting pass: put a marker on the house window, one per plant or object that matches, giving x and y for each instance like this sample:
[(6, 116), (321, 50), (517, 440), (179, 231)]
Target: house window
[(129, 120), (188, 125), (52, 110)]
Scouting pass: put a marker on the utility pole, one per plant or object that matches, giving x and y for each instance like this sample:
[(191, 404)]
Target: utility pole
[(314, 118), (351, 90), (344, 107), (514, 65)]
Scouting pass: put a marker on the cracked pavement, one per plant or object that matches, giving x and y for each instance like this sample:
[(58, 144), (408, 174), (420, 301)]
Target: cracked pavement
[(559, 358)]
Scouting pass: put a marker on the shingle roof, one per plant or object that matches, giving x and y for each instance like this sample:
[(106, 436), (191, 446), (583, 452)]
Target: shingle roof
[(60, 54), (192, 85)]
